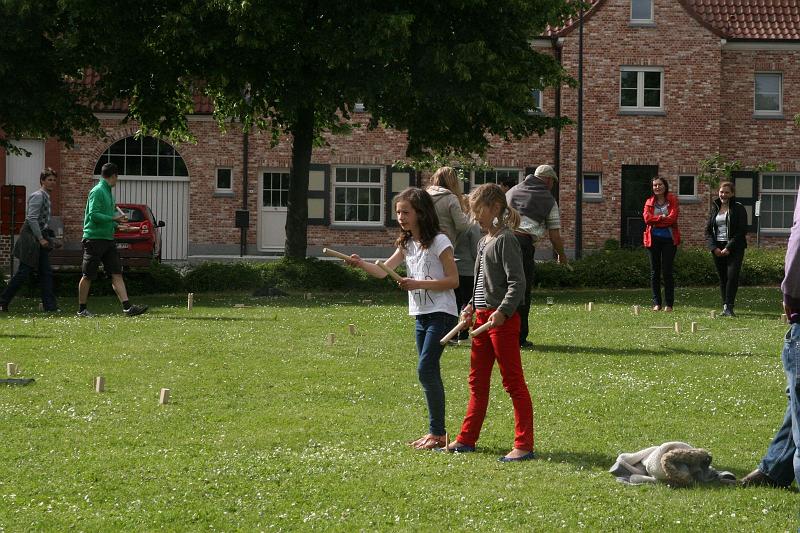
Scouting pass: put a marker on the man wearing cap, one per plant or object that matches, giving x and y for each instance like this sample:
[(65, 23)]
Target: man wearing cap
[(539, 212)]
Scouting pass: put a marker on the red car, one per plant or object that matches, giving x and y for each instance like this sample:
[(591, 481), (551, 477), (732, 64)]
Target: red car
[(147, 237)]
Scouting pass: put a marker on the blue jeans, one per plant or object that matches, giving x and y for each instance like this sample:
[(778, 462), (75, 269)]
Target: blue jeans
[(45, 281), (429, 331), (782, 460)]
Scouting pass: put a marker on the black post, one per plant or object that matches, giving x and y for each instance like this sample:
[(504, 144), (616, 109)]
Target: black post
[(13, 221), (579, 155), (245, 157)]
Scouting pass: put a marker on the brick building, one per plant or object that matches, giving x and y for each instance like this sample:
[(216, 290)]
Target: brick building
[(666, 84)]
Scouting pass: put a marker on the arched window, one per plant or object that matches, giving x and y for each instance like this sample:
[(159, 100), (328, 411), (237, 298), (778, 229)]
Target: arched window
[(146, 156)]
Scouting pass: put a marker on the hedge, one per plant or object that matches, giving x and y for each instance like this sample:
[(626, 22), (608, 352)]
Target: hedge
[(609, 268)]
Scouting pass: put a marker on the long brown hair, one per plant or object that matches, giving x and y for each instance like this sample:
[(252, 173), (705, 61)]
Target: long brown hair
[(490, 194), (448, 178), (427, 220)]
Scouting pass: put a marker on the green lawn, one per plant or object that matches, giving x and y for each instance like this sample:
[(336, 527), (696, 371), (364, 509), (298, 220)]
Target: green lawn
[(272, 429)]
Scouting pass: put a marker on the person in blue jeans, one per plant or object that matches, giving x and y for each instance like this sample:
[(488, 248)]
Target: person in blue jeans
[(781, 463), (432, 276), (34, 245)]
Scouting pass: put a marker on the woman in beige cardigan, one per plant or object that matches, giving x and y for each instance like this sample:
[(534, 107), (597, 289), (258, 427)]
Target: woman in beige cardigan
[(445, 189)]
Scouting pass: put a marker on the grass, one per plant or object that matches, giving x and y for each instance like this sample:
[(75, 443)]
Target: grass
[(272, 429)]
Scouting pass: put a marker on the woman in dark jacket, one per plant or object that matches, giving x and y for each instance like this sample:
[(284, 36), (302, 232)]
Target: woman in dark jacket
[(661, 238), (726, 232)]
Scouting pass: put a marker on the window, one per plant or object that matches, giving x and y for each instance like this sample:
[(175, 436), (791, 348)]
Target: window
[(146, 156), (687, 186), (641, 89), (592, 185), (642, 11), (778, 193), (496, 176), (275, 189), (768, 98), (224, 180), (358, 195), (536, 95)]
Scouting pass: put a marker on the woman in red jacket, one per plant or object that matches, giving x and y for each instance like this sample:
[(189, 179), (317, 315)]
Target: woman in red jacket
[(661, 238)]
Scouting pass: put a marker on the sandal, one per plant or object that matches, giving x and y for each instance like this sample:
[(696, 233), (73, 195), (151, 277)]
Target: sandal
[(456, 447), (429, 442)]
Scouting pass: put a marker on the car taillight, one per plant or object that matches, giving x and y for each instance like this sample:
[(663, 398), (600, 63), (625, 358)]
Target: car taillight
[(144, 228)]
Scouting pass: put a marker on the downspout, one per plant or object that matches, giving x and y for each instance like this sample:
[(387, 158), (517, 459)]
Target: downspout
[(557, 47), (245, 157)]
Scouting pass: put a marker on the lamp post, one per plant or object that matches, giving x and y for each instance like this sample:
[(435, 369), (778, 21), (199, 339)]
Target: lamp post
[(579, 147)]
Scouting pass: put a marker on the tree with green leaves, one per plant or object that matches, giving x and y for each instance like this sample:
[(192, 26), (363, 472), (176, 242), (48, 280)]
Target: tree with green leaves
[(451, 74)]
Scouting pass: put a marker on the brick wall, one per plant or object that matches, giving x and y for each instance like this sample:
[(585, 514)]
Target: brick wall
[(708, 93)]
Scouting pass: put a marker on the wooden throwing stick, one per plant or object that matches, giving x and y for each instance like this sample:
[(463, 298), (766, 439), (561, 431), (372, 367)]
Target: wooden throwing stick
[(330, 252), (476, 332), (394, 275), (453, 332)]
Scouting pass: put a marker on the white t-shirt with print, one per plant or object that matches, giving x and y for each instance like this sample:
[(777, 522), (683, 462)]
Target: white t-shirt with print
[(424, 263)]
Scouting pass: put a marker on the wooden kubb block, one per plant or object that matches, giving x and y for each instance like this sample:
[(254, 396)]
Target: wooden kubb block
[(164, 397), (11, 369), (99, 384)]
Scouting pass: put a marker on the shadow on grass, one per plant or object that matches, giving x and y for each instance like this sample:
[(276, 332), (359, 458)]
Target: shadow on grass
[(207, 318), (22, 336), (578, 459), (630, 352)]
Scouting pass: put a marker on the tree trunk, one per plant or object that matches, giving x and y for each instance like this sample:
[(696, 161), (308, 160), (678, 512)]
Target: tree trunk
[(297, 209)]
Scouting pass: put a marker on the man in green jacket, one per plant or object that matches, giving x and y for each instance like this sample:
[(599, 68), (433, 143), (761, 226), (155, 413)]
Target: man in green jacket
[(99, 223)]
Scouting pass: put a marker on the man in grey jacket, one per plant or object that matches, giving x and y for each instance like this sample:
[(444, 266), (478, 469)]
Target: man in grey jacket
[(781, 463), (539, 212), (33, 247)]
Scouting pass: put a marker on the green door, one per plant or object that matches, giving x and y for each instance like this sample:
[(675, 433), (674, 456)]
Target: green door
[(636, 189)]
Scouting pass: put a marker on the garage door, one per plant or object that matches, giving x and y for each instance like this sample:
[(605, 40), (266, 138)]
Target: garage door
[(24, 170), (152, 172), (169, 200)]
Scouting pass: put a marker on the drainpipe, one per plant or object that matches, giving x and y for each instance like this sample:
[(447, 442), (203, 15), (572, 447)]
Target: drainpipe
[(558, 43), (579, 155), (245, 156)]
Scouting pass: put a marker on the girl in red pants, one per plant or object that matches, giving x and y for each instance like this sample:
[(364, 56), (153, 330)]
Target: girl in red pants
[(499, 286)]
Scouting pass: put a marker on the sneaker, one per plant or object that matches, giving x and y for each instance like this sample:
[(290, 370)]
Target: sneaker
[(135, 310), (84, 314), (728, 311), (757, 478), (3, 308), (526, 344)]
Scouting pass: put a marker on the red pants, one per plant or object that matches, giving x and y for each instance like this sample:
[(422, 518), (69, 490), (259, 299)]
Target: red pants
[(501, 344)]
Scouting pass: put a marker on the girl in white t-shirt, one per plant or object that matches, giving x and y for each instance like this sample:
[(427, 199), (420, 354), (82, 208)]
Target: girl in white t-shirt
[(432, 276)]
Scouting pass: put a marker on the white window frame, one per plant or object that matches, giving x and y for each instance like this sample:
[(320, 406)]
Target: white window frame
[(217, 188), (792, 193), (650, 20), (694, 186), (598, 194), (768, 112), (381, 186), (538, 98), (640, 107), (472, 174)]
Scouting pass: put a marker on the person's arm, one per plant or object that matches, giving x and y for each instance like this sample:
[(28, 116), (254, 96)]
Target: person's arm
[(791, 281), (672, 214), (553, 225), (511, 256), (737, 232), (711, 237), (373, 269), (648, 213), (460, 221), (96, 206), (35, 203), (449, 281), (558, 245)]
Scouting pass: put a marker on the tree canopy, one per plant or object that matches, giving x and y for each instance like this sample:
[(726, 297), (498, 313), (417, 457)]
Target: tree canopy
[(450, 73)]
